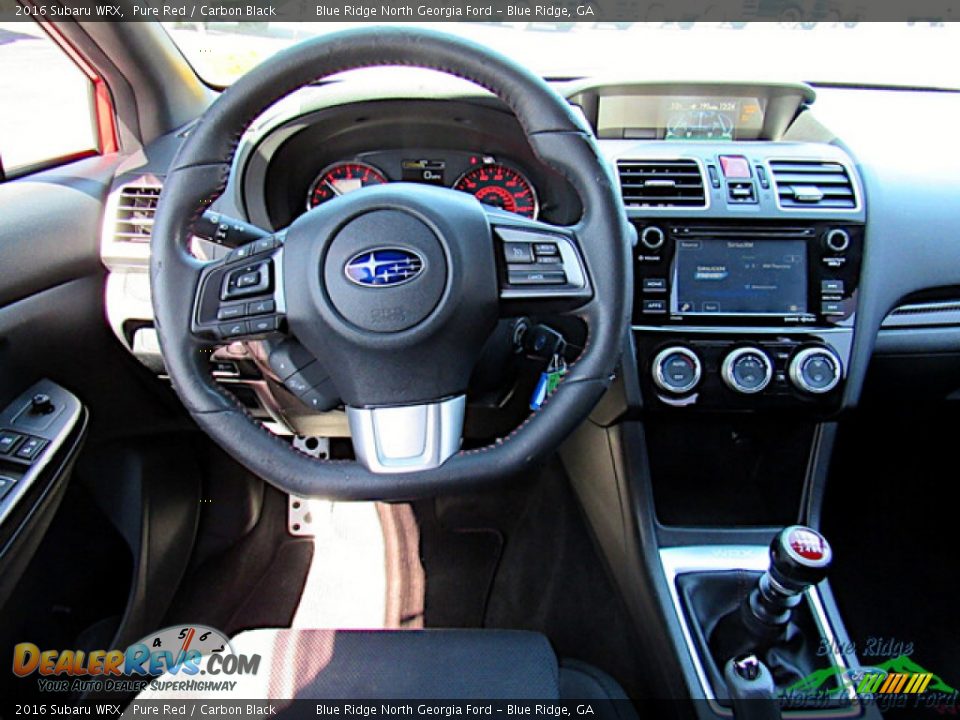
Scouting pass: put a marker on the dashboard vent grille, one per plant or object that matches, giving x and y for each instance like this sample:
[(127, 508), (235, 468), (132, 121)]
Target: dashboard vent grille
[(136, 207), (661, 183), (813, 184)]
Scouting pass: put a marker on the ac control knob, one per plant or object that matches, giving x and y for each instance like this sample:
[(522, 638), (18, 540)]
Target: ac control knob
[(837, 240), (652, 237), (676, 370), (747, 370), (816, 370)]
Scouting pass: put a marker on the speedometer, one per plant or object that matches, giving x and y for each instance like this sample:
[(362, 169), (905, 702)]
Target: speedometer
[(342, 178), (500, 186)]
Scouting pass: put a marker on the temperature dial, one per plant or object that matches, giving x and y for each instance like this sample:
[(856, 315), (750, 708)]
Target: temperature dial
[(747, 370), (816, 370), (676, 370)]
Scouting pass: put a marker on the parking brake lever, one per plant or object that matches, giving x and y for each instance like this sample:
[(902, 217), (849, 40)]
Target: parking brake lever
[(751, 688)]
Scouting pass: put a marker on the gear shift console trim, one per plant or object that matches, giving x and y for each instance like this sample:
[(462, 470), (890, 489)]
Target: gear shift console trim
[(677, 561)]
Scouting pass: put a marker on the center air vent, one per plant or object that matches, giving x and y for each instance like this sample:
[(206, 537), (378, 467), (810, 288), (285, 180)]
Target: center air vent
[(661, 183), (804, 184), (136, 206)]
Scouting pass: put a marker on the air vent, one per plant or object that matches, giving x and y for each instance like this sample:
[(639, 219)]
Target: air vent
[(661, 183), (803, 184), (136, 206)]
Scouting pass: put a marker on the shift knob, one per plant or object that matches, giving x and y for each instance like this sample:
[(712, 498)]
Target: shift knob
[(799, 557)]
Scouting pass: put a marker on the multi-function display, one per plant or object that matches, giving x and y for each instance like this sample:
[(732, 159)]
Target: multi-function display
[(739, 277)]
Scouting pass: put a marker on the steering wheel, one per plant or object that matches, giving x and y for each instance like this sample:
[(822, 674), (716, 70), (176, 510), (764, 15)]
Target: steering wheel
[(393, 289)]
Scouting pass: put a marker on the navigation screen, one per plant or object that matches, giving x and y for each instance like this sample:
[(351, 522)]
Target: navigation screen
[(755, 277)]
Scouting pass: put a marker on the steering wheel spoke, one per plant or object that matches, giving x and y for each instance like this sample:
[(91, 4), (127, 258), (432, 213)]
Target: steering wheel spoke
[(407, 438), (540, 266), (241, 296)]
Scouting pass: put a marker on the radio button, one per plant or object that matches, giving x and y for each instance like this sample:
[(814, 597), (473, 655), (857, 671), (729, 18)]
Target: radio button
[(676, 370), (747, 370), (815, 370)]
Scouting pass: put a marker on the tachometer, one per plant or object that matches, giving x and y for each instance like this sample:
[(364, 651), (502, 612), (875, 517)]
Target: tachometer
[(501, 186), (342, 178)]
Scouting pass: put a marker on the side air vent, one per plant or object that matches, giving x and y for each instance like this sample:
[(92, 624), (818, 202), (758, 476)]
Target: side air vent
[(661, 183), (805, 184), (136, 206)]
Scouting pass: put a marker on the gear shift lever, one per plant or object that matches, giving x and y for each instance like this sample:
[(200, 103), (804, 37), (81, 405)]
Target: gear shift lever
[(799, 557)]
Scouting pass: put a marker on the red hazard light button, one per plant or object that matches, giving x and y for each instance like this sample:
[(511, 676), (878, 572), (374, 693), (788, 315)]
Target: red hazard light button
[(735, 166)]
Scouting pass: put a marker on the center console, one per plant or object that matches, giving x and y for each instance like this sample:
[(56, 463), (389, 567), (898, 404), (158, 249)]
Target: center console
[(735, 315)]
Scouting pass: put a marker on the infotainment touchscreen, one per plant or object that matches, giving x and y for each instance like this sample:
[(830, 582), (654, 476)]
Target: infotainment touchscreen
[(739, 277)]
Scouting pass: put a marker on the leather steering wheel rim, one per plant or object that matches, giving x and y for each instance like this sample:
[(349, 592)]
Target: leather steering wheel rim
[(557, 137)]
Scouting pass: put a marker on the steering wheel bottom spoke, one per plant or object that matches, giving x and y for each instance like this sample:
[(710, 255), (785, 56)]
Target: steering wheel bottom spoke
[(241, 297), (407, 438)]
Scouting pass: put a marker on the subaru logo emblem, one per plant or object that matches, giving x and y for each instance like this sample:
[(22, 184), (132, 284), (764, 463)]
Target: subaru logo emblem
[(384, 267)]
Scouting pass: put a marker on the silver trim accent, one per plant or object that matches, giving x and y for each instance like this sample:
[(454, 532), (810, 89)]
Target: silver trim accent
[(726, 370), (945, 313), (796, 365), (677, 561), (854, 184), (661, 381), (407, 438), (742, 331)]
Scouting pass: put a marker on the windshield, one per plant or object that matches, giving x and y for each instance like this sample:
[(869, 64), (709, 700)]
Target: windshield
[(878, 54)]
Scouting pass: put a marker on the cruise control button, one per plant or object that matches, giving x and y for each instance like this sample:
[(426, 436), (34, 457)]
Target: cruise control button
[(231, 312), (261, 307), (549, 260), (546, 249), (6, 485), (518, 252), (30, 448), (537, 277), (8, 441)]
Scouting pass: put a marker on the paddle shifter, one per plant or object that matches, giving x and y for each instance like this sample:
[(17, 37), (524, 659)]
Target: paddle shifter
[(799, 557)]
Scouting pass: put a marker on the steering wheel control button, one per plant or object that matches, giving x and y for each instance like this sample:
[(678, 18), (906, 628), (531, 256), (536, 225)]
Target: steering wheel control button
[(518, 253), (261, 326), (815, 370), (231, 312), (676, 370), (549, 260), (537, 277), (249, 280), (545, 250), (652, 237), (747, 370), (6, 485), (289, 357), (261, 307), (233, 329), (8, 441)]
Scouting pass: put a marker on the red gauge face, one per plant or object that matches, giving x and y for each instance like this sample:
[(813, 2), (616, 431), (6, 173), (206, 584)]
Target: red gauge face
[(502, 187), (342, 178)]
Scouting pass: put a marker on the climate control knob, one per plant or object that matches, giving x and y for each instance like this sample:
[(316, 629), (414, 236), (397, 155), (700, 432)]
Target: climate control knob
[(676, 370), (652, 237), (747, 370), (816, 370)]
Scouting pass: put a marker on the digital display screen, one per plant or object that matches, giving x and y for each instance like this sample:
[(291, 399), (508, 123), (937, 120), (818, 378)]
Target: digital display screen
[(746, 277), (423, 171), (681, 117)]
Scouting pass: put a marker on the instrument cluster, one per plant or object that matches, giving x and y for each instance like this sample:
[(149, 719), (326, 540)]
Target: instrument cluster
[(492, 180)]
